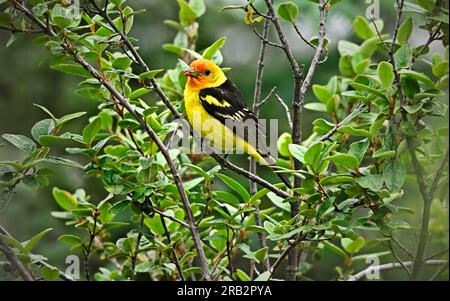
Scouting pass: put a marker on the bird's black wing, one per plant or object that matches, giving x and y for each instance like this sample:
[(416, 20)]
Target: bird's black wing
[(226, 104)]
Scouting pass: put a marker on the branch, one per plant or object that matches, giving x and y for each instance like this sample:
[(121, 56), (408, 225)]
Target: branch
[(15, 262), (241, 171), (256, 105), (39, 262), (174, 254), (343, 122), (286, 109), (124, 102), (265, 40), (17, 30), (438, 175), (285, 253), (390, 266), (302, 37)]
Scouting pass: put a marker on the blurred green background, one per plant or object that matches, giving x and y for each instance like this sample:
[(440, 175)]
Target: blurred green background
[(26, 79)]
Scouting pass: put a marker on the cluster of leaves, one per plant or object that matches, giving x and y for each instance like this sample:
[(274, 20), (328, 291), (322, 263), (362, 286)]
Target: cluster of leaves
[(349, 183)]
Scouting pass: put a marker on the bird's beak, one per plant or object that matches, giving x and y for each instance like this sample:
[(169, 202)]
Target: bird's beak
[(191, 73)]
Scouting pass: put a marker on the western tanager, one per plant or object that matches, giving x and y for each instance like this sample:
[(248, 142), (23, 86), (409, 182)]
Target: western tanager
[(217, 110)]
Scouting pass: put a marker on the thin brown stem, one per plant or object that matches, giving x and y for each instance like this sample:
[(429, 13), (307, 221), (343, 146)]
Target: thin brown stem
[(256, 106)]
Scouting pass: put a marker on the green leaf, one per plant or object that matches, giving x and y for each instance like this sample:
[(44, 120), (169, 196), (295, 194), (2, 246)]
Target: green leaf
[(211, 50), (328, 245), (372, 182), (384, 154), (21, 142), (440, 69), (71, 240), (386, 74), (322, 93), (403, 56), (29, 245), (43, 127), (404, 31), (120, 206), (186, 14), (313, 154), (63, 120), (362, 28), (298, 152), (198, 6), (64, 199), (347, 48), (394, 175), (348, 129), (288, 11), (377, 125), (359, 148), (353, 246), (227, 197), (50, 273), (31, 181), (138, 93), (347, 203), (419, 76), (62, 161), (242, 275), (261, 254), (154, 224), (191, 184), (336, 179), (316, 106), (263, 277), (233, 184), (91, 130), (346, 160), (150, 74), (72, 69), (278, 201), (427, 4)]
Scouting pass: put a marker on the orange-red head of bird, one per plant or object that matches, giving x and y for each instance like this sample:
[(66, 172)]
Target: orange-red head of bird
[(203, 74)]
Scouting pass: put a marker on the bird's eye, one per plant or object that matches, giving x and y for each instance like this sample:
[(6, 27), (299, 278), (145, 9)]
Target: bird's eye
[(207, 72)]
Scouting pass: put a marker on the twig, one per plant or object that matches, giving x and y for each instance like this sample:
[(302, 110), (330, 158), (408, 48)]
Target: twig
[(241, 171), (124, 102), (138, 242), (439, 271), (437, 254), (343, 122), (174, 254), (15, 262), (230, 261), (302, 37), (285, 253), (439, 173), (391, 248), (286, 108), (62, 276), (257, 102), (264, 40), (404, 249), (390, 266), (88, 249), (263, 101), (17, 30)]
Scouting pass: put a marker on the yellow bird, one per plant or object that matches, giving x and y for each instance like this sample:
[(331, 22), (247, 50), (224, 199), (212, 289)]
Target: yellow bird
[(217, 110)]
